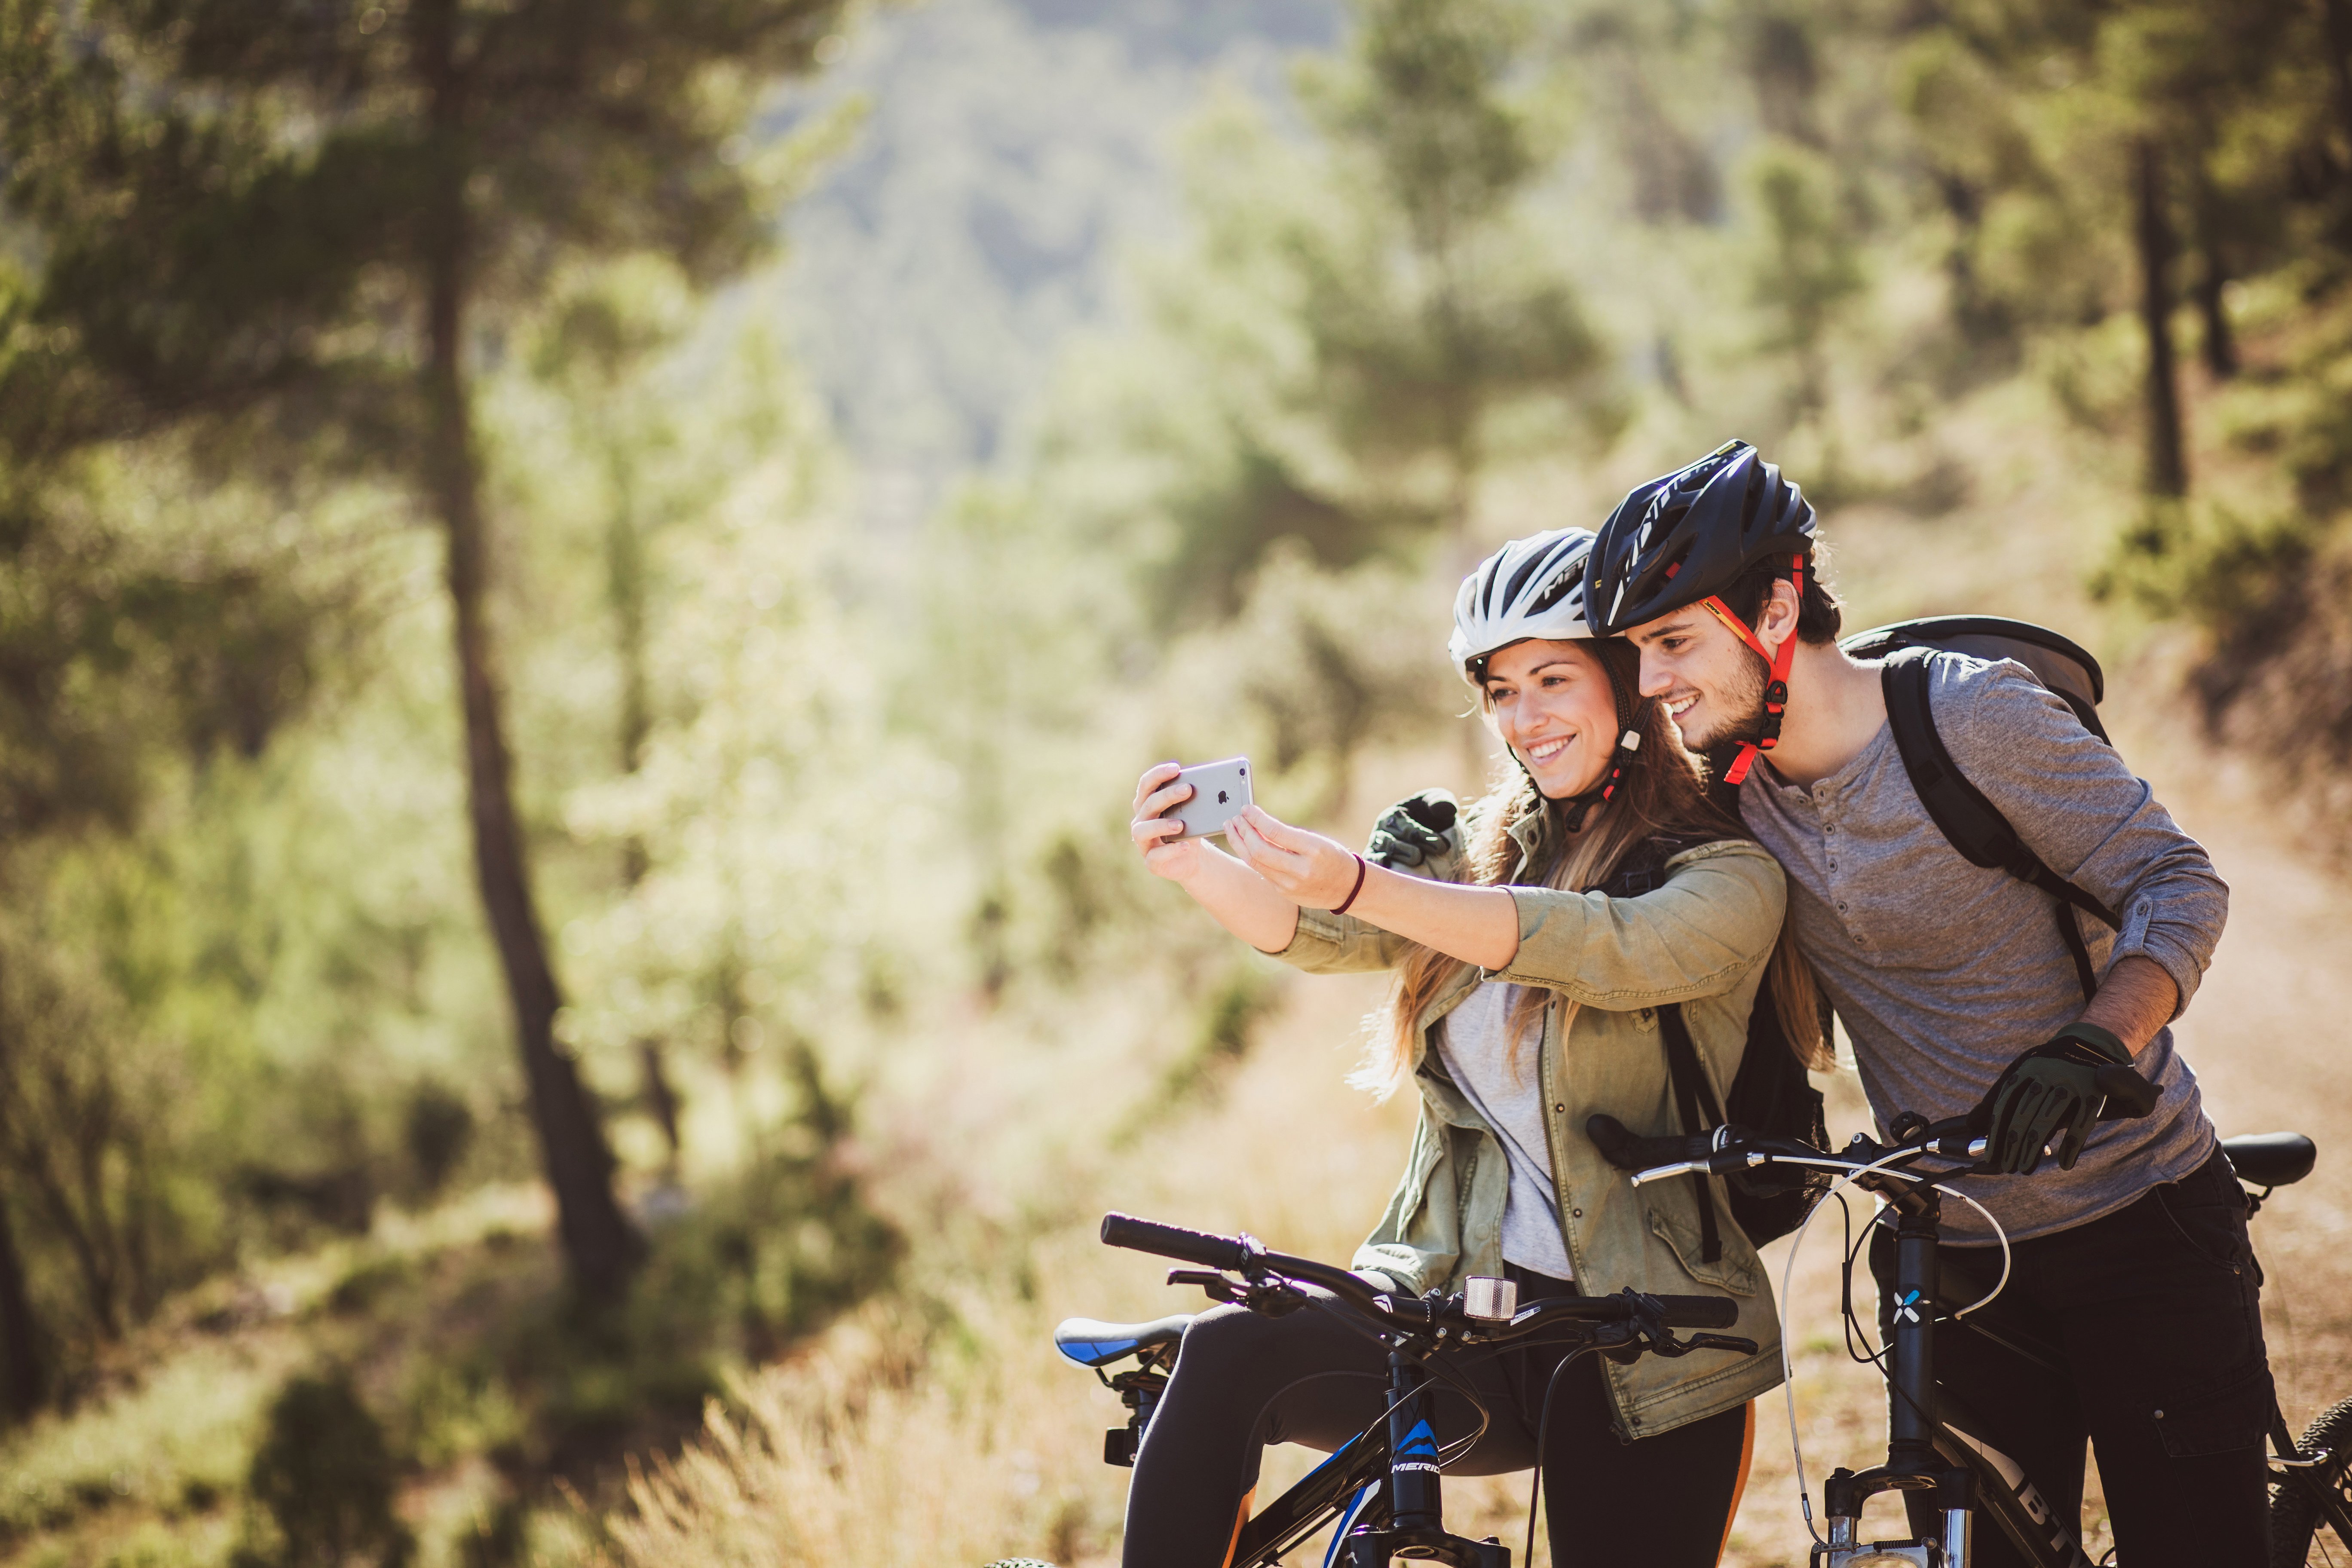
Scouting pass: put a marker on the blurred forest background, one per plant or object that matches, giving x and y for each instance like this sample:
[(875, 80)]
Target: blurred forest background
[(583, 587)]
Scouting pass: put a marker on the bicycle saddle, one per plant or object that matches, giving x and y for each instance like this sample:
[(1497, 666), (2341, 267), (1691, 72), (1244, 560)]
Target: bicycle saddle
[(2271, 1159), (1090, 1344)]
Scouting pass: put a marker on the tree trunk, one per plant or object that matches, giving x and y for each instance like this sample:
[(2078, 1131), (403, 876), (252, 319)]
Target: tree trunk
[(2339, 61), (598, 1243), (624, 571), (2168, 462), (20, 1337), (2221, 349), (2219, 345), (624, 564)]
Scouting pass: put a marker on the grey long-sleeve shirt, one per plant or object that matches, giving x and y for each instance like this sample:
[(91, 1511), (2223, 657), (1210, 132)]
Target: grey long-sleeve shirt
[(1943, 972)]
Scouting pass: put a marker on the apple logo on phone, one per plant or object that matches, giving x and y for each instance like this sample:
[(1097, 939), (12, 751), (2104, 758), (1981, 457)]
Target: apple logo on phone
[(1222, 799)]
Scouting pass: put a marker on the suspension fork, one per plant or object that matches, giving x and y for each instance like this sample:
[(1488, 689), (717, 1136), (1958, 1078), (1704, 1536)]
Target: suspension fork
[(1416, 1502), (1912, 1462), (1416, 1526)]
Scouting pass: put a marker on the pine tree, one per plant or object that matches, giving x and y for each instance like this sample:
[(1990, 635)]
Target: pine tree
[(294, 230)]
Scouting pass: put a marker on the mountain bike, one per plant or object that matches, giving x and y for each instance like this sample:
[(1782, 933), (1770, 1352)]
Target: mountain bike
[(1383, 1489), (1936, 1444)]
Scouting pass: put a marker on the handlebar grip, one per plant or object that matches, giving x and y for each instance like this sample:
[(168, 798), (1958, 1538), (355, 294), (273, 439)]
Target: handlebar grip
[(1629, 1151), (1699, 1312), (2128, 1095), (1173, 1241)]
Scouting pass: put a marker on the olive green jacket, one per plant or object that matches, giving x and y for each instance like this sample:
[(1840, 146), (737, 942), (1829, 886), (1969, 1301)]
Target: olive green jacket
[(1700, 940)]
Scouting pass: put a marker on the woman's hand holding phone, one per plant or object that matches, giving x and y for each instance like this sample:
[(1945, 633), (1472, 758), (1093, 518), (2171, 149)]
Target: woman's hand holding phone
[(1302, 867), (1165, 852), (1310, 870)]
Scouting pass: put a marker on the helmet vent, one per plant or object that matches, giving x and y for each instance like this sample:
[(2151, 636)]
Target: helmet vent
[(1559, 588)]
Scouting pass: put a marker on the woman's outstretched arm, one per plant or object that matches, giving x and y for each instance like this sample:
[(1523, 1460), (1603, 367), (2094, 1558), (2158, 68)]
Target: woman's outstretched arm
[(1477, 925), (1244, 902)]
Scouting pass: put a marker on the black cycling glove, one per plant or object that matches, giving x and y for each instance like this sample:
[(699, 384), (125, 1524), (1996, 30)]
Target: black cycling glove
[(1413, 830), (2050, 1091)]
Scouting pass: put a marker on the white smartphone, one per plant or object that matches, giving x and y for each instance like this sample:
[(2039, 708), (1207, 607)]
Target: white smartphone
[(1220, 790)]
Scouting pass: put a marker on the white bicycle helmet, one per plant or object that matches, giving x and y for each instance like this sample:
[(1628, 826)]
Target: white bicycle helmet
[(1531, 587)]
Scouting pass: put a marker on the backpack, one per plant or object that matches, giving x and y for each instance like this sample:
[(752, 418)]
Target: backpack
[(1972, 824), (1770, 1094)]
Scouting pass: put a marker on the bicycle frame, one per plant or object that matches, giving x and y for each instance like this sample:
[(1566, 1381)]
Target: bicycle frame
[(1936, 1444), (1384, 1486), (1391, 1467)]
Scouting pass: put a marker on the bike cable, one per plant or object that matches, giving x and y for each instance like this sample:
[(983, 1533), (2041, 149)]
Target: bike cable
[(1788, 1282), (1355, 1320), (1543, 1430)]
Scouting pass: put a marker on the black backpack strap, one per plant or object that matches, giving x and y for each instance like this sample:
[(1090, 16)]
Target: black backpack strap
[(1643, 868), (1695, 1103), (1971, 822)]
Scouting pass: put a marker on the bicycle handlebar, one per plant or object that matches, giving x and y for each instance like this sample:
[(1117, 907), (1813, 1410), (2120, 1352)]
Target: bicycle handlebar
[(1727, 1147), (1174, 1241), (1244, 1255)]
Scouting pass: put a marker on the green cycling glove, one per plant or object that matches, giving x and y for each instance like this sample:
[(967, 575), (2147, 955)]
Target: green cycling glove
[(2050, 1092), (1413, 830)]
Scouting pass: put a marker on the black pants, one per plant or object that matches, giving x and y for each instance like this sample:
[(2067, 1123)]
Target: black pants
[(2151, 1316), (1244, 1381)]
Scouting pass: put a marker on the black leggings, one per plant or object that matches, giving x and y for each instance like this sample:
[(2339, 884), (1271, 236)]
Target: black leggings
[(1244, 1381)]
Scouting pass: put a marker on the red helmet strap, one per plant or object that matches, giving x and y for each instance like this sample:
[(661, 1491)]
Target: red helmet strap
[(1779, 660)]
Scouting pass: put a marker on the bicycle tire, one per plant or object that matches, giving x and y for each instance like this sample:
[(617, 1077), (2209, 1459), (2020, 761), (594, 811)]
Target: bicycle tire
[(2295, 1521)]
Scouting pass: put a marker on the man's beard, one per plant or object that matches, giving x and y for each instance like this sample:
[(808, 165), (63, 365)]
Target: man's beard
[(1743, 695)]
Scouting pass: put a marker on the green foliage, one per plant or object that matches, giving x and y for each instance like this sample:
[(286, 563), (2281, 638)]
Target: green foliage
[(437, 1128), (1368, 317), (240, 202), (1229, 1014), (324, 1478), (1809, 267)]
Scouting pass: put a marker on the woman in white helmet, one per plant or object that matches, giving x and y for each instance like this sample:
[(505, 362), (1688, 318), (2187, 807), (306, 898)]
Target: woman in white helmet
[(1548, 940)]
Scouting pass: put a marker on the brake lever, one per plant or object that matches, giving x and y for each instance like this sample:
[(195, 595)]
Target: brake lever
[(1215, 1285), (1273, 1295), (1714, 1343)]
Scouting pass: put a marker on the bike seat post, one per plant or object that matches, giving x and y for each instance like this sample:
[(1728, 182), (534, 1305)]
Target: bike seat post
[(1910, 1425)]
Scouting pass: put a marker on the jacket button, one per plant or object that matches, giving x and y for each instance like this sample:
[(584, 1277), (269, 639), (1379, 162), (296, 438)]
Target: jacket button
[(1576, 1213), (1561, 1109)]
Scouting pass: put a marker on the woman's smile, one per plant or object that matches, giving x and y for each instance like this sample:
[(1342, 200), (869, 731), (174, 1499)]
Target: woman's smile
[(1544, 752)]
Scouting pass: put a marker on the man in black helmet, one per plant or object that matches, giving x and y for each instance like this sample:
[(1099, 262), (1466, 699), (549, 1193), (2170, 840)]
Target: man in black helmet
[(2129, 1246)]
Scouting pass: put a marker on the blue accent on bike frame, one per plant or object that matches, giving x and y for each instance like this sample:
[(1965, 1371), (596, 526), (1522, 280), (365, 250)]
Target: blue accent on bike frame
[(1420, 1443), (1348, 1521), (1088, 1352)]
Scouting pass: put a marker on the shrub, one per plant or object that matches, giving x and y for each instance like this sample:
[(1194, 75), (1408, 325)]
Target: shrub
[(324, 1474)]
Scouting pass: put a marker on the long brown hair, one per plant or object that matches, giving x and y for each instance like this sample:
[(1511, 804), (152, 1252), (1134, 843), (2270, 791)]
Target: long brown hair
[(1663, 792)]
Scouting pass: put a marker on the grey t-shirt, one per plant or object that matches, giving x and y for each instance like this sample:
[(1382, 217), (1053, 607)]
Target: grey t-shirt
[(1943, 972), (1495, 1071)]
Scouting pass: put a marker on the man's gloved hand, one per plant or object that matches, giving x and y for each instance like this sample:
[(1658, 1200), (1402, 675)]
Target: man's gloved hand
[(2049, 1090), (1413, 830)]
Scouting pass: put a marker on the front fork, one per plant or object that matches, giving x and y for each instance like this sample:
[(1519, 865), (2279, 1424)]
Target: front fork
[(1416, 1504), (1912, 1462)]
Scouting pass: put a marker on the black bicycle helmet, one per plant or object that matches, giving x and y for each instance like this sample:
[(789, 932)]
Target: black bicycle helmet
[(1691, 534), (1683, 539)]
